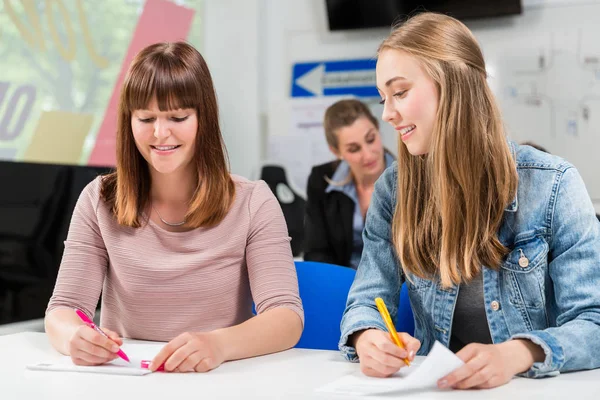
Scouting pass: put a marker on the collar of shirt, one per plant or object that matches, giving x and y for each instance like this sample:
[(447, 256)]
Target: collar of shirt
[(341, 173)]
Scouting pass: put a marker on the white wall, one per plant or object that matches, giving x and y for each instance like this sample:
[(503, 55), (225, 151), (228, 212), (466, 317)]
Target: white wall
[(231, 49), (250, 47), (297, 32)]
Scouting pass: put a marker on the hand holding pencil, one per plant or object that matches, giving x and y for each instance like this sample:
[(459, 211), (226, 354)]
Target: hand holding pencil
[(380, 354), (387, 320)]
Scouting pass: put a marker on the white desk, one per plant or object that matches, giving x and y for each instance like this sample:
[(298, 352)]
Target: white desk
[(293, 374), (33, 325)]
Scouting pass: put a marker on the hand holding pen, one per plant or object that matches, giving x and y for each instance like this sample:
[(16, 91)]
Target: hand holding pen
[(91, 345)]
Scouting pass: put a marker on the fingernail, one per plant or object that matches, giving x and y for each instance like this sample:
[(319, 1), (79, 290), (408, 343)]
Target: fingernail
[(443, 384), (115, 348), (411, 355)]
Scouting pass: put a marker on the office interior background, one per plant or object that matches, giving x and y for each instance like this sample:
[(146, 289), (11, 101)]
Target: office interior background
[(276, 64)]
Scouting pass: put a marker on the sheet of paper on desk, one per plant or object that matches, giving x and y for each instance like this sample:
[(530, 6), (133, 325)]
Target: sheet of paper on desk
[(425, 375), (135, 351)]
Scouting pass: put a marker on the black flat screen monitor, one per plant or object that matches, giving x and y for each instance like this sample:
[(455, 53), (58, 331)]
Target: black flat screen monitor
[(359, 14)]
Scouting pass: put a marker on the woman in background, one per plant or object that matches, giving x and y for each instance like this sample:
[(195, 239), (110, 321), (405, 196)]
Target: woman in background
[(178, 246), (339, 192)]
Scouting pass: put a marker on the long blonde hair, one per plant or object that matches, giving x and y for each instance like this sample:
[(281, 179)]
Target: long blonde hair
[(451, 201)]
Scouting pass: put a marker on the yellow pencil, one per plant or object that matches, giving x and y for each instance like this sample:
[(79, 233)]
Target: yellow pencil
[(390, 325)]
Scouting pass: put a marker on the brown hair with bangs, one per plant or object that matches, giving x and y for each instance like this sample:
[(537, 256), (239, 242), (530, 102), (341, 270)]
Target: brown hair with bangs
[(451, 201), (177, 75)]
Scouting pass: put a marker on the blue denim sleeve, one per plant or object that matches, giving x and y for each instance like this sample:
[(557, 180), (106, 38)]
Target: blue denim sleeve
[(574, 268), (378, 274)]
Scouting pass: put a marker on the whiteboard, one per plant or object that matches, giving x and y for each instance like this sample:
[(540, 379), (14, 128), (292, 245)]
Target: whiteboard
[(544, 67)]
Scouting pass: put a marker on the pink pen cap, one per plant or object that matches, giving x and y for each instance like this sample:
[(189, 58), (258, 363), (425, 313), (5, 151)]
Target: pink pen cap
[(146, 364), (91, 324)]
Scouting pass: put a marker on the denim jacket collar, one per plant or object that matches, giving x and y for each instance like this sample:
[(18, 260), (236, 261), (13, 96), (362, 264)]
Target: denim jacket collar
[(514, 205)]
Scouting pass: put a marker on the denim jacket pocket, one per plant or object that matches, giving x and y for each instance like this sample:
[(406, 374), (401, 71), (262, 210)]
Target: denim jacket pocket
[(417, 284), (524, 271)]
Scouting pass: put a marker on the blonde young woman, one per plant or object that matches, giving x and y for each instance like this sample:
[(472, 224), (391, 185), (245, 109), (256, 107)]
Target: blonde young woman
[(498, 243), (177, 245), (339, 192)]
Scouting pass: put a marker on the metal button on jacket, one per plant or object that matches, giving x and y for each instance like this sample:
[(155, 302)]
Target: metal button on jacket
[(523, 261)]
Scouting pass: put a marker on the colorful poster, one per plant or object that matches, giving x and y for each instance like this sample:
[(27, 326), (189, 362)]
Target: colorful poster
[(62, 63)]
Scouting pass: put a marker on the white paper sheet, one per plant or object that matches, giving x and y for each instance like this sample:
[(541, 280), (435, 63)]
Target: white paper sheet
[(99, 369), (423, 376), (135, 351)]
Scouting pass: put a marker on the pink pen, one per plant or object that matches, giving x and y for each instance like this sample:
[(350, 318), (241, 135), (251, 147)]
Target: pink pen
[(146, 365), (91, 324)]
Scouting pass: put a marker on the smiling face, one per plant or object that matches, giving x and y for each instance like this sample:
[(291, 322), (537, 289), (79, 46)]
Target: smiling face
[(410, 98), (166, 139)]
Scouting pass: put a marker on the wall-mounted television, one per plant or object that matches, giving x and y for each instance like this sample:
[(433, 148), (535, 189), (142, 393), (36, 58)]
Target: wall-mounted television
[(359, 14)]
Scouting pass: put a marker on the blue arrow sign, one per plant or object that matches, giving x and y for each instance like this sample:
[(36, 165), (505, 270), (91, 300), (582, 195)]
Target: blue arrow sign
[(334, 78)]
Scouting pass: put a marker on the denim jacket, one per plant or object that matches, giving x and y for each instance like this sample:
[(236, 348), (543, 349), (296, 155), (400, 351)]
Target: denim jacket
[(552, 300)]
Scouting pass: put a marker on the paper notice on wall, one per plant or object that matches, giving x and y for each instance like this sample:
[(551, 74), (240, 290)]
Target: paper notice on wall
[(293, 153), (304, 145)]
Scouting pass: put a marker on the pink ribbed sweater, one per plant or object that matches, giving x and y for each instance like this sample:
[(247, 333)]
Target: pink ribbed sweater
[(158, 284)]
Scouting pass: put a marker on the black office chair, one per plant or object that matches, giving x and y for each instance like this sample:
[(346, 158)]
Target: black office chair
[(81, 176), (30, 211), (292, 204)]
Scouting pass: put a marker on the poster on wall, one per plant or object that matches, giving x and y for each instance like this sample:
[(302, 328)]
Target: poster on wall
[(63, 63), (304, 145)]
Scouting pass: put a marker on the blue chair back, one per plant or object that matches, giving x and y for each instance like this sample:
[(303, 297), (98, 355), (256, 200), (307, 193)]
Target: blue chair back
[(405, 320), (324, 290)]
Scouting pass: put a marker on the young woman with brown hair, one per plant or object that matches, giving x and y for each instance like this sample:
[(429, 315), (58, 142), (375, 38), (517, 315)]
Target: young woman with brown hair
[(498, 243), (177, 245), (339, 192)]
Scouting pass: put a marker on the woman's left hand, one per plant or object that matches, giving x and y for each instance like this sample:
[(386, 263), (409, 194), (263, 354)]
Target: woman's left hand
[(190, 352), (491, 365)]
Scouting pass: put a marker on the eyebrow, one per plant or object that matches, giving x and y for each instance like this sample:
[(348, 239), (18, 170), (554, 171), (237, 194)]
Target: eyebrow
[(392, 80), (371, 130), (167, 111)]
